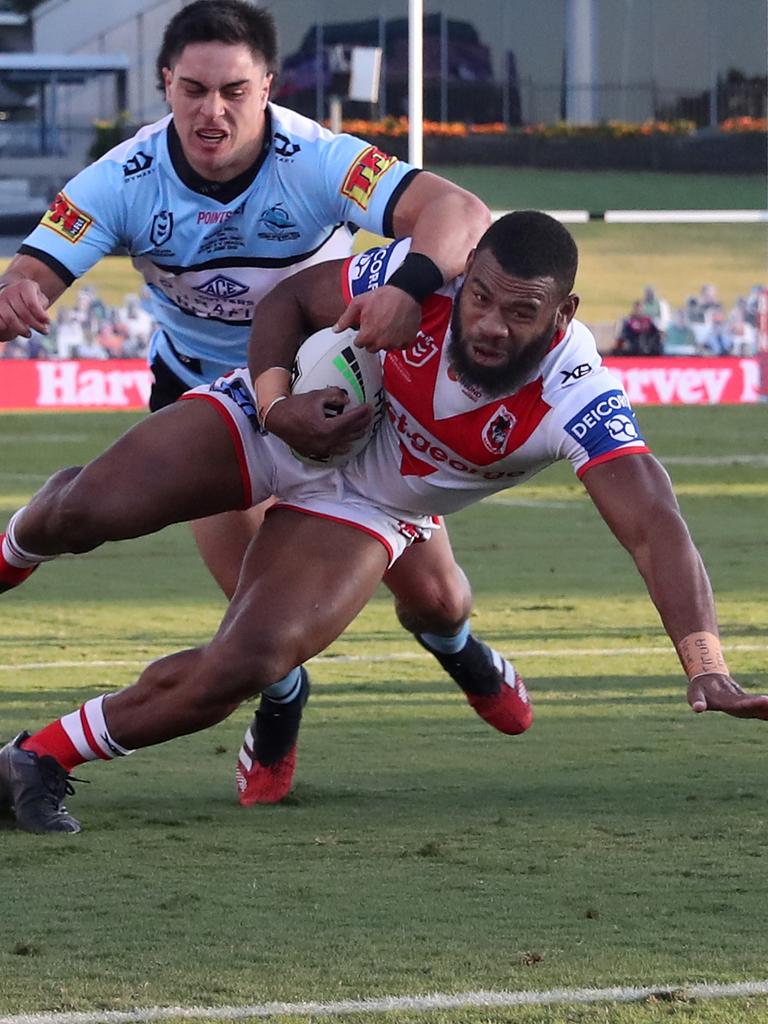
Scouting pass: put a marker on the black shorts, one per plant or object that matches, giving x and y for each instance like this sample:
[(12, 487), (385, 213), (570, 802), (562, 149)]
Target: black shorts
[(166, 386)]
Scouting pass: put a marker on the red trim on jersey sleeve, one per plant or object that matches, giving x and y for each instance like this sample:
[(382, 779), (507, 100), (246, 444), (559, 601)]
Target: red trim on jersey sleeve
[(346, 291), (609, 456), (337, 519), (237, 441)]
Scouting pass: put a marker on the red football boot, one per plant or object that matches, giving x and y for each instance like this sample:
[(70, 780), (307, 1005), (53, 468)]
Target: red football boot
[(490, 683), (267, 759), (509, 710), (263, 783)]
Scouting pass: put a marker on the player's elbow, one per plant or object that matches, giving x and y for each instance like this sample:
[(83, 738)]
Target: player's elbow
[(472, 212)]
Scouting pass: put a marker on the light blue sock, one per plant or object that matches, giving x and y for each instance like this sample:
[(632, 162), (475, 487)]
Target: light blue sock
[(286, 689), (446, 644)]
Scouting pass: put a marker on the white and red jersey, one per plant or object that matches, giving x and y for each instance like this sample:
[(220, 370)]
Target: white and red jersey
[(444, 445)]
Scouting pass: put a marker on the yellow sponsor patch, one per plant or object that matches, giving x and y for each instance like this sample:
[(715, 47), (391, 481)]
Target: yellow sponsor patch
[(63, 217), (364, 175)]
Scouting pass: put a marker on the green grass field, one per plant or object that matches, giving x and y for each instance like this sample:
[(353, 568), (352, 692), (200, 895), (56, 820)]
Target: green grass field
[(622, 841)]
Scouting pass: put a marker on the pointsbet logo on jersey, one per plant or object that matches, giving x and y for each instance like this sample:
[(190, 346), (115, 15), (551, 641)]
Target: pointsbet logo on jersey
[(63, 217), (608, 422), (364, 175)]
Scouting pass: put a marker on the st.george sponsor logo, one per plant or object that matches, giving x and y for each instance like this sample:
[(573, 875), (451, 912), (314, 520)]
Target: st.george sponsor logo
[(66, 219), (606, 423), (364, 175), (424, 447)]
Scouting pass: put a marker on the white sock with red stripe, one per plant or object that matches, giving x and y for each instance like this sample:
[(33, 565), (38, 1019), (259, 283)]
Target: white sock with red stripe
[(79, 736), (14, 554)]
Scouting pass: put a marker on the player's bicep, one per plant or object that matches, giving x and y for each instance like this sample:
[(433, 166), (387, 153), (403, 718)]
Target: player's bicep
[(634, 496), (362, 184), (421, 190)]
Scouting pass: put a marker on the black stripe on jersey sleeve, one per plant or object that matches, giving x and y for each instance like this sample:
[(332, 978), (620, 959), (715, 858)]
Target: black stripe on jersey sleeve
[(388, 228), (50, 261), (247, 261)]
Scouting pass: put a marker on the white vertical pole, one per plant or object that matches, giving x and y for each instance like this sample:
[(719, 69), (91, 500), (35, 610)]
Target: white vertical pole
[(580, 99), (416, 82)]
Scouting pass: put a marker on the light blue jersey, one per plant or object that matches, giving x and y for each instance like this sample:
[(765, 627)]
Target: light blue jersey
[(209, 251)]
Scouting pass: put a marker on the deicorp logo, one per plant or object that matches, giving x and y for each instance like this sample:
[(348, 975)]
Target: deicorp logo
[(605, 424)]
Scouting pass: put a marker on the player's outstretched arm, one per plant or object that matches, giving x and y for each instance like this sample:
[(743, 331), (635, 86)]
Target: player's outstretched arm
[(445, 223), (27, 288), (635, 498)]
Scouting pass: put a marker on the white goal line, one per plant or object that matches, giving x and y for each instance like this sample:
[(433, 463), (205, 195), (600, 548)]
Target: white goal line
[(398, 1004)]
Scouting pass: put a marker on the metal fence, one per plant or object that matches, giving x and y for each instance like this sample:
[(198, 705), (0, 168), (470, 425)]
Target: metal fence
[(496, 62)]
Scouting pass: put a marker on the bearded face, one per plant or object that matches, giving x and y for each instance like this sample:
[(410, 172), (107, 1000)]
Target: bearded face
[(495, 361)]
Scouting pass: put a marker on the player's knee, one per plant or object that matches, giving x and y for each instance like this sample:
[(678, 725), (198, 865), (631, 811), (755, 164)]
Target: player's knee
[(441, 606), (235, 672)]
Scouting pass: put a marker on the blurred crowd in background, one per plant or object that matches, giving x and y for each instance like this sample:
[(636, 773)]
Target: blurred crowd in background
[(702, 327), (89, 330)]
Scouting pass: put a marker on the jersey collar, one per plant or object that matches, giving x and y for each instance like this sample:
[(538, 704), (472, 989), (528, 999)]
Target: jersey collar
[(220, 191)]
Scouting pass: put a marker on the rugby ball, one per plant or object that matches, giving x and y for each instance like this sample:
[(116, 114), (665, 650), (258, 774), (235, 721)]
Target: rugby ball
[(327, 359)]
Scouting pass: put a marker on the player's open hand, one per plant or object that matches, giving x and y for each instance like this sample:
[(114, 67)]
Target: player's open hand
[(386, 318), (23, 306), (716, 692), (316, 423)]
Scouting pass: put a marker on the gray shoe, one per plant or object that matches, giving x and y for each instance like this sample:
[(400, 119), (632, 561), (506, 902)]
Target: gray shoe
[(34, 788)]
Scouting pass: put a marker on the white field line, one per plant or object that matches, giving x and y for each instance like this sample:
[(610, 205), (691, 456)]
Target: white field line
[(44, 438), (415, 655), (508, 502), (398, 1004)]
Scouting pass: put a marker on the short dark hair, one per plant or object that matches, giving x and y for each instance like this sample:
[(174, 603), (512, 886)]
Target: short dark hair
[(219, 21), (528, 243)]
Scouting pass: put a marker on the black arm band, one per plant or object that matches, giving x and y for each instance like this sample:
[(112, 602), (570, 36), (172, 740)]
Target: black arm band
[(418, 276)]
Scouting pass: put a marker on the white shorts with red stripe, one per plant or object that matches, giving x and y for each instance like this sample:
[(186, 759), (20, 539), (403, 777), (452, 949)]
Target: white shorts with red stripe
[(268, 468)]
